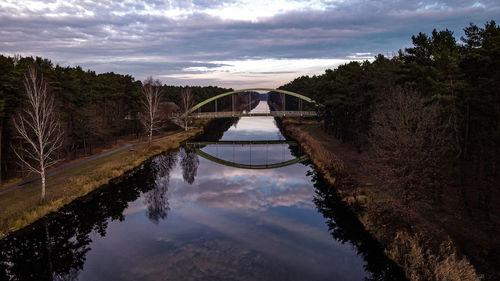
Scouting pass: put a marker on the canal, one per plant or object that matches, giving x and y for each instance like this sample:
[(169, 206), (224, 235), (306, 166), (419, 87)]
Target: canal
[(206, 212)]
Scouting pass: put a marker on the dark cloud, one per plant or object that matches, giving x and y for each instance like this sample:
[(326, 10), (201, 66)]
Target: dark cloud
[(162, 38)]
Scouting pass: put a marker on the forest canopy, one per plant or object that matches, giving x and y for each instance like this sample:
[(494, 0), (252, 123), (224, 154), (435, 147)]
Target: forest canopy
[(430, 116), (95, 109)]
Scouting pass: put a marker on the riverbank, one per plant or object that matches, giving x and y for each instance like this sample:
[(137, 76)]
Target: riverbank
[(20, 207), (413, 239)]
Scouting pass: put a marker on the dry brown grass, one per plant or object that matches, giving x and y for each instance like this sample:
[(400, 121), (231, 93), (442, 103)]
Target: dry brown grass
[(423, 265), (329, 164), (382, 213), (20, 207)]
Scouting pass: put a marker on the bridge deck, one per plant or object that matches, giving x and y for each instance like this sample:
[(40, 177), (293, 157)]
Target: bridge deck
[(226, 114)]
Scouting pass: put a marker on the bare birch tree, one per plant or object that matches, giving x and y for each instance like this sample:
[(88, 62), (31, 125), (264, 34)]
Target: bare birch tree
[(187, 102), (151, 99), (38, 126)]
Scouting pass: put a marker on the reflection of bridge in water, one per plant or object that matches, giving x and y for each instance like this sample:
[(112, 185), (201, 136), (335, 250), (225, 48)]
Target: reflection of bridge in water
[(196, 146)]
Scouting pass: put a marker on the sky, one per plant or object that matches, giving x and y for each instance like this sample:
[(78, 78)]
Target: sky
[(236, 43)]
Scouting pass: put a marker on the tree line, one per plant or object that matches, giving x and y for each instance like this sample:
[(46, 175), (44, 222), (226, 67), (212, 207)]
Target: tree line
[(429, 115), (93, 110)]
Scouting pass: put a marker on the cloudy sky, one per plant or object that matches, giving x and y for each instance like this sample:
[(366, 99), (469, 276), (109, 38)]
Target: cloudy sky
[(234, 43)]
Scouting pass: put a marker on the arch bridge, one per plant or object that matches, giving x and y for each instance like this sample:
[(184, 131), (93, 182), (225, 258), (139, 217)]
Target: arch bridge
[(196, 146), (192, 112)]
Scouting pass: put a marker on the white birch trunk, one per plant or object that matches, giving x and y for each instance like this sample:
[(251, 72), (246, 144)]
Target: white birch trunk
[(42, 197), (186, 104), (151, 99)]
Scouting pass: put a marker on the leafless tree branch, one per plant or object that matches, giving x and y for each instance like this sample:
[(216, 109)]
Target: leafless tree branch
[(187, 101), (37, 125), (151, 99)]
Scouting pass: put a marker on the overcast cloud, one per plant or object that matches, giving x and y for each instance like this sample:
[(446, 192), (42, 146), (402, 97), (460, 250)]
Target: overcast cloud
[(238, 43)]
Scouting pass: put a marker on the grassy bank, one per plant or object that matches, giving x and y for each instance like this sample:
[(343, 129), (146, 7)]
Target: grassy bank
[(413, 240), (20, 207)]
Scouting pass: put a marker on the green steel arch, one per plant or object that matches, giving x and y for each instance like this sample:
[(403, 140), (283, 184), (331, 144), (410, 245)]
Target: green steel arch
[(248, 90), (249, 166)]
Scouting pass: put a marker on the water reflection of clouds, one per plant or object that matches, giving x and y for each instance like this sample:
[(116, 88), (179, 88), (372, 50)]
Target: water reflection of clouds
[(266, 240), (230, 188), (270, 227), (255, 220), (233, 224), (239, 195)]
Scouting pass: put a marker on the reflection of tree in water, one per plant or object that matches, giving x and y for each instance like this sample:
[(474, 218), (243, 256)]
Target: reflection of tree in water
[(55, 247), (216, 128), (156, 198), (189, 164), (344, 226)]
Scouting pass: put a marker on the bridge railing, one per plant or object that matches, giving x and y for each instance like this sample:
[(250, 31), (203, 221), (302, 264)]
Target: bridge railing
[(295, 113), (236, 143), (221, 114)]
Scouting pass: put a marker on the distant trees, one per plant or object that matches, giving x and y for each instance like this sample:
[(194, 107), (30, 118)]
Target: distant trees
[(150, 100), (9, 97), (38, 127), (96, 109)]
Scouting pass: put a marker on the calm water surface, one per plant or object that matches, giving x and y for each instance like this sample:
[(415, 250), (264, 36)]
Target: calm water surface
[(183, 217)]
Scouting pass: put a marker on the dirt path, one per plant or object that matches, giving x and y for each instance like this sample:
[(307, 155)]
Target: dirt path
[(67, 167)]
